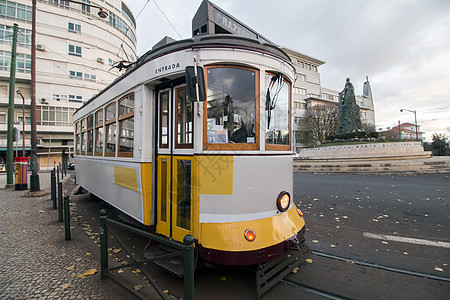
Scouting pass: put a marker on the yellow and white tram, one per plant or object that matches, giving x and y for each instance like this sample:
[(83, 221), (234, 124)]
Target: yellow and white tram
[(220, 170)]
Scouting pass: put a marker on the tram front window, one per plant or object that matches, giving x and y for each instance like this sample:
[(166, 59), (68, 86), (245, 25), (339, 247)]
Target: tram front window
[(277, 110), (231, 104)]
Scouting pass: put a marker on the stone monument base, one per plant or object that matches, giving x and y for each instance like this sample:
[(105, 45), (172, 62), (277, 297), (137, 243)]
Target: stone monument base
[(371, 151)]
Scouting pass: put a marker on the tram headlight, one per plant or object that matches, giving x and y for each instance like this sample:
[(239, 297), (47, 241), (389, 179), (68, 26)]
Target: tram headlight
[(250, 235), (283, 201)]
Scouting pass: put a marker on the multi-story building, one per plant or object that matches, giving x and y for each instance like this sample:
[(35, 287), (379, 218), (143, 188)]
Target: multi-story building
[(75, 53), (308, 92)]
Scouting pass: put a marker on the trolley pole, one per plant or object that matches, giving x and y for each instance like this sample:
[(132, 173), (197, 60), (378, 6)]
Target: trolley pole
[(12, 83)]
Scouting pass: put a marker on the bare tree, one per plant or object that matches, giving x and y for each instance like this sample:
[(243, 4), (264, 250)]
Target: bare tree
[(319, 122)]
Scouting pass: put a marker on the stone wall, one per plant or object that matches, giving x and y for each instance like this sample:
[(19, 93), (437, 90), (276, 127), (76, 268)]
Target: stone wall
[(400, 150)]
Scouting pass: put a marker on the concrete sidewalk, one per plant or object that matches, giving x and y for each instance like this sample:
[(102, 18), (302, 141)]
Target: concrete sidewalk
[(36, 261)]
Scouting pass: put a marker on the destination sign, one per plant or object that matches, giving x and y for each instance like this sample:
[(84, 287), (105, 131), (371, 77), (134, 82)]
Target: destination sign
[(231, 25)]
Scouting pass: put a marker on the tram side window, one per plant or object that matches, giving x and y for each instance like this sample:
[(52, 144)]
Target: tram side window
[(126, 126), (99, 132), (231, 108), (110, 130), (77, 138), (185, 116), (83, 137), (277, 112), (164, 120), (90, 134)]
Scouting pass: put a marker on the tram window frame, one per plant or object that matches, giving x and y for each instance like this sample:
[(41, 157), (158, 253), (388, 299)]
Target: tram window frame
[(229, 145), (77, 137), (273, 146), (126, 116), (83, 137), (90, 135), (111, 123), (99, 131), (164, 120), (187, 145)]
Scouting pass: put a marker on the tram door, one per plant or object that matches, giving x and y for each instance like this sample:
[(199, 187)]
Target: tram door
[(175, 159)]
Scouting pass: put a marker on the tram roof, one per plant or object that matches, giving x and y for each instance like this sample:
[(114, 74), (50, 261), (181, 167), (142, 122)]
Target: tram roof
[(199, 42)]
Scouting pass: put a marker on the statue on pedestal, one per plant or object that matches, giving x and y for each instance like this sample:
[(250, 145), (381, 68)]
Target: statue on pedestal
[(349, 115)]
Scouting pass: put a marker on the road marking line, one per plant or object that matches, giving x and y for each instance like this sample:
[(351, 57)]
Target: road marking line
[(406, 240)]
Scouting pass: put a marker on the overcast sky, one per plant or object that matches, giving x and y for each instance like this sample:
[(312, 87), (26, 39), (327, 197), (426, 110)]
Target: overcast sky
[(402, 45)]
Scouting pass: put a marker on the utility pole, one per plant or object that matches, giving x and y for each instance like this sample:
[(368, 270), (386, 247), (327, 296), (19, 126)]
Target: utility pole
[(34, 178), (12, 84), (399, 131)]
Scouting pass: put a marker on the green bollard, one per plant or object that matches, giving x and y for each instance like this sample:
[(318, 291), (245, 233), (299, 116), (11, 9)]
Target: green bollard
[(103, 243), (188, 241), (66, 218), (53, 187), (60, 202)]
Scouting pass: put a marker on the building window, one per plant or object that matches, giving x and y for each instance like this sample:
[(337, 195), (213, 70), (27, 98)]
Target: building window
[(2, 118), (111, 62), (75, 75), (75, 28), (99, 132), (110, 130), (23, 62), (89, 77), (232, 118), (23, 37), (86, 8), (302, 91), (126, 126), (16, 10), (277, 112), (74, 50), (54, 116), (75, 98), (301, 77), (164, 119)]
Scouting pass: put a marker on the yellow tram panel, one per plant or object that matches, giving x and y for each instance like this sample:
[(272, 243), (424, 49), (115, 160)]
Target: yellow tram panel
[(230, 236)]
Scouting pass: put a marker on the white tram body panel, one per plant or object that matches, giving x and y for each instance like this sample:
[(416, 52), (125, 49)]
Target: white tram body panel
[(230, 190)]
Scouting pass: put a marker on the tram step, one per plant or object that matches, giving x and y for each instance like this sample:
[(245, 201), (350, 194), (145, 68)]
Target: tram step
[(174, 265), (272, 272)]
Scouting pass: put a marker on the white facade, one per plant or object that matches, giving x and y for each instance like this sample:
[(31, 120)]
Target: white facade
[(75, 53)]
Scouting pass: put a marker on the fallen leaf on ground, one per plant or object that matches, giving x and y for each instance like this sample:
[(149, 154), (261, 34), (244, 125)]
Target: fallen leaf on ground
[(89, 253), (439, 269), (223, 278), (41, 211), (308, 260), (295, 270), (88, 272), (315, 241), (115, 251), (166, 291), (406, 253), (119, 271), (70, 268), (136, 271), (66, 286), (137, 287)]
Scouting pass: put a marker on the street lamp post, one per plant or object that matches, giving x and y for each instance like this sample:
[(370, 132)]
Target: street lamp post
[(415, 120)]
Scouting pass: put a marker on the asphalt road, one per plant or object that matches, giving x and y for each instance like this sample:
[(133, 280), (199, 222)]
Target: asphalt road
[(346, 215)]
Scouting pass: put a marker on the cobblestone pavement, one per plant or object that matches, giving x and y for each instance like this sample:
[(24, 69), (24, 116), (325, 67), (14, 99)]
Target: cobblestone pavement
[(35, 259)]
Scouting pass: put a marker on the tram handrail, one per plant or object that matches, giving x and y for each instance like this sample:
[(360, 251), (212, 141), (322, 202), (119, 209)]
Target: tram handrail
[(186, 250)]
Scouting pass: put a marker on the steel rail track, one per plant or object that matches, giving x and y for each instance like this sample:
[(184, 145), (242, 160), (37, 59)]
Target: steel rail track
[(312, 290), (382, 267)]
